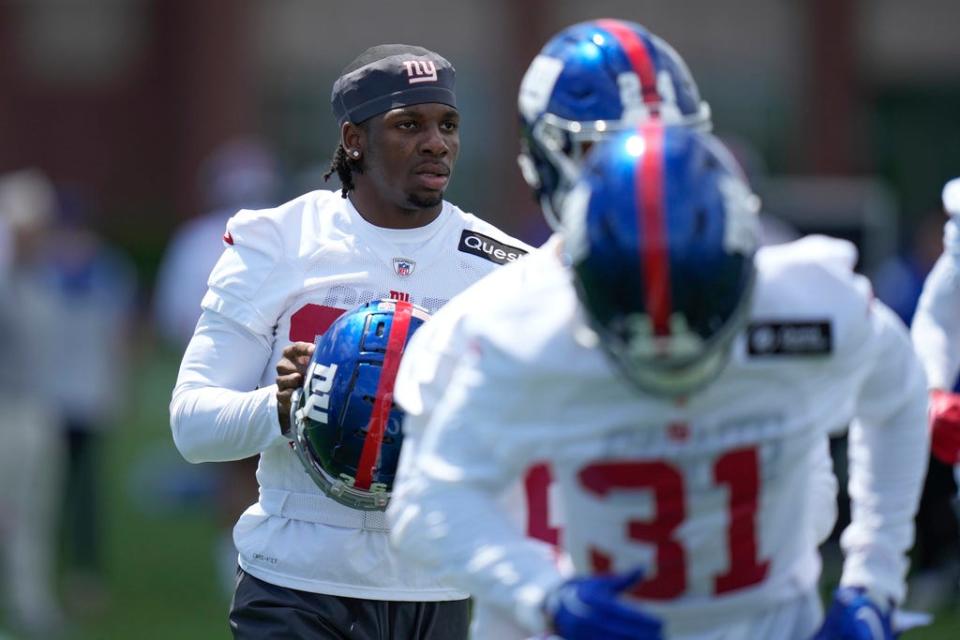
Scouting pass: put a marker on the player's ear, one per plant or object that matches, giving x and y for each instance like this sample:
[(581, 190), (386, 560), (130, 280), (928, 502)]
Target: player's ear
[(352, 138)]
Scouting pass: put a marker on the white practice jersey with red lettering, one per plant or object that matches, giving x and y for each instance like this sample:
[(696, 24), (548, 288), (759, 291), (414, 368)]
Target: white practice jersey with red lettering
[(286, 274), (719, 497)]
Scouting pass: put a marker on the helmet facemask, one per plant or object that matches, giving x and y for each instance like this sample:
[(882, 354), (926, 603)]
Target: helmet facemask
[(675, 365)]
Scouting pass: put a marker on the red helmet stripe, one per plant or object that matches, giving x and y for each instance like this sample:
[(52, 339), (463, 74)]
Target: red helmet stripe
[(652, 222), (636, 50), (383, 403)]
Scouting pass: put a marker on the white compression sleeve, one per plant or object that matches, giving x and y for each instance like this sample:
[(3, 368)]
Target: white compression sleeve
[(217, 412)]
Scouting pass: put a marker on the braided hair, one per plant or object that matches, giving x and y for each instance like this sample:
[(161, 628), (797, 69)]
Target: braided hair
[(344, 166)]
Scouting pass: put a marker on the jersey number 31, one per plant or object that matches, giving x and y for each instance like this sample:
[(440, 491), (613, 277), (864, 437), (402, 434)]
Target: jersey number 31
[(737, 470)]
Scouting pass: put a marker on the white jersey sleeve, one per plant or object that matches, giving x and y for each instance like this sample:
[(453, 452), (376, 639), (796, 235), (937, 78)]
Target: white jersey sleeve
[(429, 362), (936, 323), (888, 443), (213, 414), (454, 467), (888, 449), (252, 281)]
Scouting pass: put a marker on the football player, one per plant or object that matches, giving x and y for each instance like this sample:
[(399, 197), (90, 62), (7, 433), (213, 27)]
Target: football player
[(936, 338), (310, 566), (681, 384), (936, 334), (589, 81)]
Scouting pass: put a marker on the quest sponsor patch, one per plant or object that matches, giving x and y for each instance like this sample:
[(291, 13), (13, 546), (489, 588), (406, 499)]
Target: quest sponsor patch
[(790, 338), (487, 248)]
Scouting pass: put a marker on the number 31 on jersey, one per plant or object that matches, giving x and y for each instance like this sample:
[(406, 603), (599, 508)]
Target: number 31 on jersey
[(737, 471)]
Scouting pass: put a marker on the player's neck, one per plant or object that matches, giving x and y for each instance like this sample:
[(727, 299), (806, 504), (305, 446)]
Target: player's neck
[(380, 213)]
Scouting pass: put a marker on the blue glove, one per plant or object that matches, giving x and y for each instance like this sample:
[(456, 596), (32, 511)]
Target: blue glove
[(588, 608), (854, 616)]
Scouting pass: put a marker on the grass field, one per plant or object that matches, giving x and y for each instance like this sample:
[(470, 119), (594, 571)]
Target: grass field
[(159, 535), (159, 549)]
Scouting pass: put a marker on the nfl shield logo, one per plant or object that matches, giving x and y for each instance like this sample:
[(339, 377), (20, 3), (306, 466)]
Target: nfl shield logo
[(403, 267)]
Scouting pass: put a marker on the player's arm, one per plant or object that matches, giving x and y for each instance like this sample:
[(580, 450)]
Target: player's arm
[(444, 511), (888, 449), (217, 412), (936, 323)]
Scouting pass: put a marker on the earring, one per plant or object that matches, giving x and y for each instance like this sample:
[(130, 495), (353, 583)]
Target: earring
[(355, 153)]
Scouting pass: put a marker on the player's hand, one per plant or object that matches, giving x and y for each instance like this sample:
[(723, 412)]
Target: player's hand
[(854, 616), (290, 371), (589, 608), (945, 426)]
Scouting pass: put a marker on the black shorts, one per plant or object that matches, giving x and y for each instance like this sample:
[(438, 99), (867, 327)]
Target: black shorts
[(263, 611)]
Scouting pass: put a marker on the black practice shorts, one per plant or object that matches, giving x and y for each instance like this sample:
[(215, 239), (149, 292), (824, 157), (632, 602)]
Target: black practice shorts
[(263, 611)]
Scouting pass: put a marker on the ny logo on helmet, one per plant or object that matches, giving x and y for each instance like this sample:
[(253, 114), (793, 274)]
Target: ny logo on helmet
[(420, 71), (321, 381)]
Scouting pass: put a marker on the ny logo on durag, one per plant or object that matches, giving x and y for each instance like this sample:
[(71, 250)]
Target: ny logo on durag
[(420, 71)]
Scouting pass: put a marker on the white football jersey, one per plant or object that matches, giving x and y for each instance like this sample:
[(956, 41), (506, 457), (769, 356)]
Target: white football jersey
[(286, 274), (717, 496)]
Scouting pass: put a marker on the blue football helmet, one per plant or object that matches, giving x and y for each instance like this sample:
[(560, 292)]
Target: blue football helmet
[(346, 430), (590, 80), (661, 231)]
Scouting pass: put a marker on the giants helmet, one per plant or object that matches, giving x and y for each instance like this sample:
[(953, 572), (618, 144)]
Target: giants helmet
[(661, 231), (346, 429), (590, 80)]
